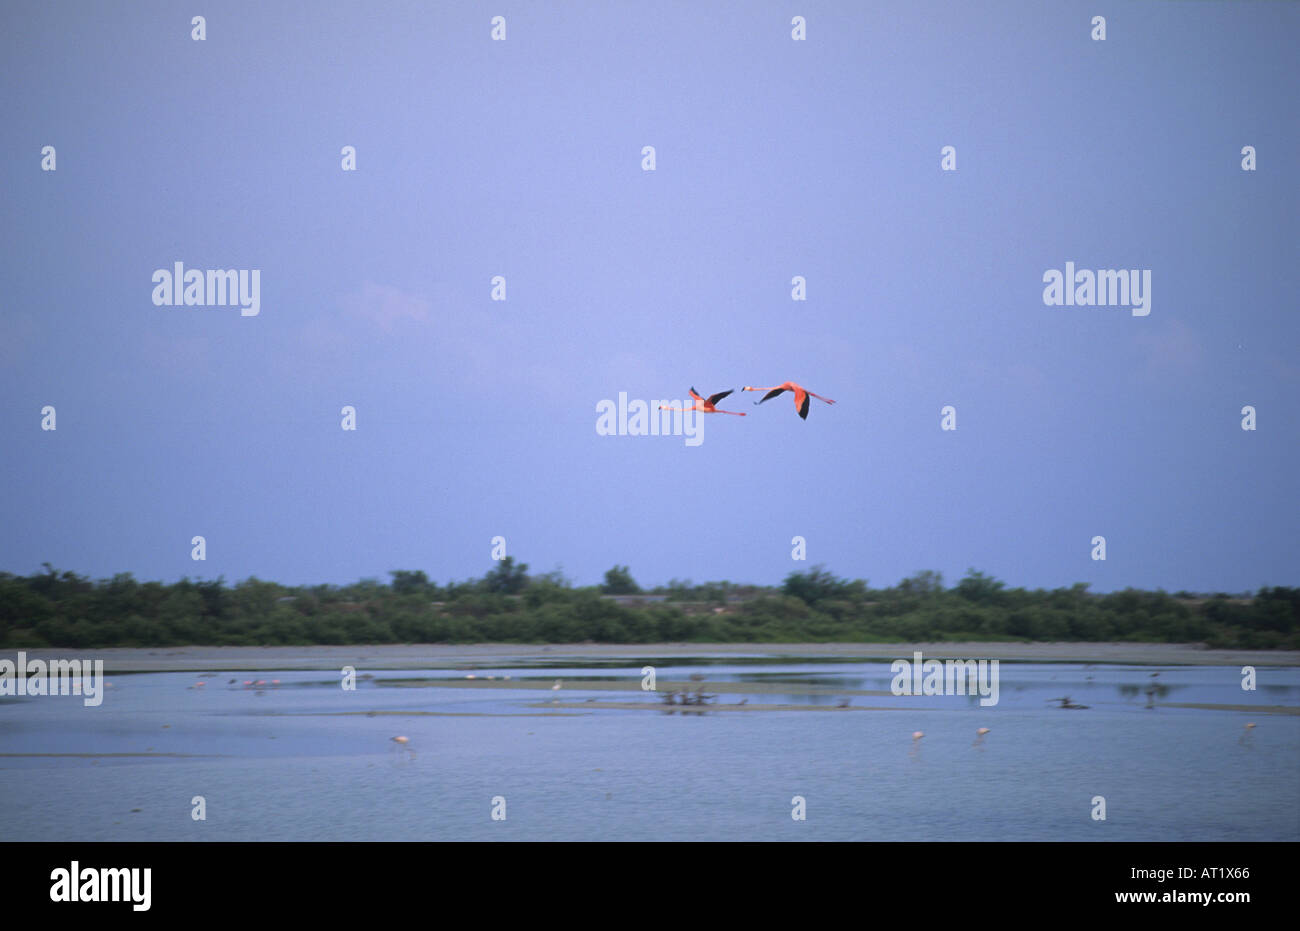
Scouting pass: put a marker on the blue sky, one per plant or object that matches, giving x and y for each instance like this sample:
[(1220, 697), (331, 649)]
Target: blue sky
[(775, 158)]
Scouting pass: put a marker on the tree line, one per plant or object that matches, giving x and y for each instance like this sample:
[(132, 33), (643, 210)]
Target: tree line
[(508, 605)]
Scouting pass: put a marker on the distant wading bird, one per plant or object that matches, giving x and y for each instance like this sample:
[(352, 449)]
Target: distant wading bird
[(705, 405), (801, 396)]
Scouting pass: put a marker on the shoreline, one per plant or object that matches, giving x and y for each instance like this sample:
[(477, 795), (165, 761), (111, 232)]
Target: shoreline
[(119, 660)]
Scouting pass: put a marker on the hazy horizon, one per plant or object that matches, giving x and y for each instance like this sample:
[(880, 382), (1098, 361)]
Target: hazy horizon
[(646, 587)]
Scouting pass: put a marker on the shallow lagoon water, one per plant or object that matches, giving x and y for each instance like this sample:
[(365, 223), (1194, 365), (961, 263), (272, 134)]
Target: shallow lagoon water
[(306, 760)]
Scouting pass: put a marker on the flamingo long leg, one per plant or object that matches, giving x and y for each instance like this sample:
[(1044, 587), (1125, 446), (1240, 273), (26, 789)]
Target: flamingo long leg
[(702, 410)]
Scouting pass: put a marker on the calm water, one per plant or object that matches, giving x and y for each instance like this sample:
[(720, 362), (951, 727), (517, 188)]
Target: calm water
[(287, 763)]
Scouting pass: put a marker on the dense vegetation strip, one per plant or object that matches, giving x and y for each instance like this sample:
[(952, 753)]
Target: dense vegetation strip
[(507, 605)]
